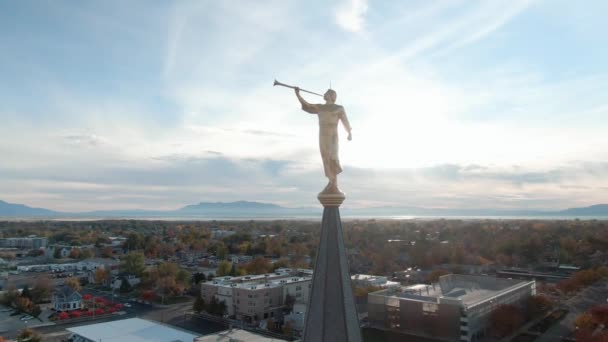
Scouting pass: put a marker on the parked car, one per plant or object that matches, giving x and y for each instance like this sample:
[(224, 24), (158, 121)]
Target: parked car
[(26, 317)]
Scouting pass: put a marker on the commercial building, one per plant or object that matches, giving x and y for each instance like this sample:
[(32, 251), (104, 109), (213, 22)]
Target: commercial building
[(235, 335), (31, 242), (367, 280), (457, 308), (258, 297), (130, 330)]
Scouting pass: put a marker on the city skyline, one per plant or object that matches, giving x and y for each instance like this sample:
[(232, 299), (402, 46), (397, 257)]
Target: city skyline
[(453, 104)]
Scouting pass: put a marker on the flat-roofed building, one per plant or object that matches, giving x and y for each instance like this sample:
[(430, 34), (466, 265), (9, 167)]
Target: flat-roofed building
[(457, 308), (258, 297), (367, 280), (31, 242), (130, 330), (235, 335)]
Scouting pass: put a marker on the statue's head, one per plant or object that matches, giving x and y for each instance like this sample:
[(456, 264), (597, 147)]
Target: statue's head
[(330, 96)]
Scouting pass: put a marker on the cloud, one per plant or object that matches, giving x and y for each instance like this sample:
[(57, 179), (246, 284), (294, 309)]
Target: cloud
[(440, 111), (350, 15), (83, 139)]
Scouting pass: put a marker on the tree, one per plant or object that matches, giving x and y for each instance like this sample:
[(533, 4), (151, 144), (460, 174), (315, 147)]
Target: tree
[(221, 251), (102, 276), (259, 265), (75, 253), (198, 277), (223, 268), (23, 304), (133, 263), (585, 321), (74, 283), (434, 276), (10, 295), (35, 311), (26, 292), (288, 329), (271, 324), (42, 289), (57, 253), (289, 302), (125, 286), (28, 335), (199, 304), (600, 314), (537, 305)]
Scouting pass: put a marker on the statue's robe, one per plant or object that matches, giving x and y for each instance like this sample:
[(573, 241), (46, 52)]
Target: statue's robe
[(329, 115)]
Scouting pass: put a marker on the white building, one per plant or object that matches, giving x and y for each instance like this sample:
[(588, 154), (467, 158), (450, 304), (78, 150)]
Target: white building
[(367, 280), (234, 335), (258, 297), (66, 299), (131, 330)]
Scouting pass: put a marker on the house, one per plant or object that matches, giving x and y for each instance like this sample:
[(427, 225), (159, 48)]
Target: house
[(66, 299), (129, 278)]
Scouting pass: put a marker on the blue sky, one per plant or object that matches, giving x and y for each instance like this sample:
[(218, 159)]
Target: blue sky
[(158, 104)]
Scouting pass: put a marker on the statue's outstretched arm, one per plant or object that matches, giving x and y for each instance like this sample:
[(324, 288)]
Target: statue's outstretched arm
[(307, 107)]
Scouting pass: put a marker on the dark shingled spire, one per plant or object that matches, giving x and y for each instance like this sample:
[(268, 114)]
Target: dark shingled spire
[(331, 315)]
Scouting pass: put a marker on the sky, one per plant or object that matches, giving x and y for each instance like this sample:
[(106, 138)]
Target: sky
[(161, 104)]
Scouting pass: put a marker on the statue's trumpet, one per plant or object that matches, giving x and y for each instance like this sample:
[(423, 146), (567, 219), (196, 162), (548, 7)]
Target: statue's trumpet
[(276, 83)]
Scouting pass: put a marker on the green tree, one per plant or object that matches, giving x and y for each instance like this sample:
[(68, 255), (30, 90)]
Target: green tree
[(133, 263), (57, 253), (221, 251), (289, 302), (198, 277), (125, 286), (223, 268)]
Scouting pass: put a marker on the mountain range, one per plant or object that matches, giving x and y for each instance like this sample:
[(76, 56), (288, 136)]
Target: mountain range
[(246, 209)]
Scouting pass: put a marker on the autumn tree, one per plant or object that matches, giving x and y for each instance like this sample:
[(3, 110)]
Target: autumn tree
[(259, 265), (537, 305), (28, 335), (74, 283), (102, 276), (288, 329), (434, 276)]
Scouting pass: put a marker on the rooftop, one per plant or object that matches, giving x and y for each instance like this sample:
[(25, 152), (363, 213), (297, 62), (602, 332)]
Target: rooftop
[(234, 335), (132, 330), (278, 278), (466, 290)]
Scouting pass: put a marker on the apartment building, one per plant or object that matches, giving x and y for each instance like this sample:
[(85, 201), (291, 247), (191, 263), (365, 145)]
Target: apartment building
[(258, 297), (31, 242)]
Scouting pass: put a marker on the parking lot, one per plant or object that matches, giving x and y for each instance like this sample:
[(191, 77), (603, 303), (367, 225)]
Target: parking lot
[(9, 322)]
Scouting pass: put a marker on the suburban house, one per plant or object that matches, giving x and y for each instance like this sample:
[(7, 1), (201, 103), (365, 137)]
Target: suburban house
[(66, 299), (131, 279)]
